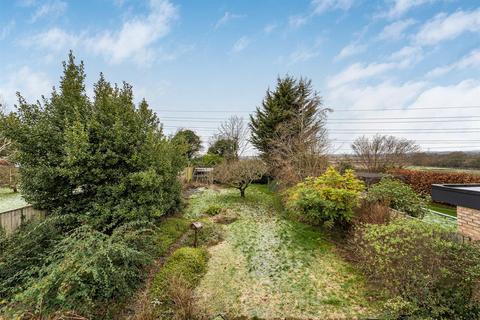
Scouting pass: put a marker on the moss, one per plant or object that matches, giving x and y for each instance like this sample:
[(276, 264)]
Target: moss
[(169, 231)]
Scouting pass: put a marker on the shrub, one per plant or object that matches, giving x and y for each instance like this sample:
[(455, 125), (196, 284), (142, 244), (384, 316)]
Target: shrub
[(421, 181), (213, 210), (398, 196), (85, 271), (329, 198), (421, 267), (186, 266), (24, 252)]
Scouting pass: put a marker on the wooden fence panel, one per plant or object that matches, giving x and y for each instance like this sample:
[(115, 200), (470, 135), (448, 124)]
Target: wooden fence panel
[(12, 219)]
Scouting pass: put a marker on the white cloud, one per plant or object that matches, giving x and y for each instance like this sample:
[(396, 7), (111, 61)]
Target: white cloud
[(359, 71), (320, 6), (54, 39), (133, 41), (136, 35), (6, 29), (448, 26), (375, 96), (407, 55), (51, 9), (32, 85), (241, 44), (350, 50), (400, 7), (269, 28), (226, 18), (302, 55), (409, 98), (395, 30), (472, 60), (464, 93), (297, 21)]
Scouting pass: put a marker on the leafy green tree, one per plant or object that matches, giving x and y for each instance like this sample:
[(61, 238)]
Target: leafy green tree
[(106, 159), (191, 140), (292, 108), (223, 147)]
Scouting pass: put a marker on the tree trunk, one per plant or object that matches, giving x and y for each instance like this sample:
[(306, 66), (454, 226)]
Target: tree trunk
[(242, 193)]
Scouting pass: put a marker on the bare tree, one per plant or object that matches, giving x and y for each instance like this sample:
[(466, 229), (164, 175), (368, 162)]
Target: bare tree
[(380, 152), (236, 131), (299, 148), (240, 174)]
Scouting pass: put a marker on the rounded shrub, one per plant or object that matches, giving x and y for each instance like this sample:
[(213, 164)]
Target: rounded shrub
[(328, 199), (398, 196)]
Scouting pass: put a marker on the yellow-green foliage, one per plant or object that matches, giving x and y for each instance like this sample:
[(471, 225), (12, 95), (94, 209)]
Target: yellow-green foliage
[(329, 198), (187, 265)]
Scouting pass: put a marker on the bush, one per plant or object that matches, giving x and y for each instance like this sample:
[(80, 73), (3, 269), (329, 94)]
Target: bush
[(213, 210), (186, 266), (422, 268), (421, 181), (398, 196), (85, 271), (24, 252), (330, 198)]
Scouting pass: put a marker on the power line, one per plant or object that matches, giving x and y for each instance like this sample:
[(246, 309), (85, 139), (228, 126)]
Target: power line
[(334, 108)]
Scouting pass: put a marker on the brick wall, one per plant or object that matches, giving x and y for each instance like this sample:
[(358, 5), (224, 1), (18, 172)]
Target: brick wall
[(469, 222)]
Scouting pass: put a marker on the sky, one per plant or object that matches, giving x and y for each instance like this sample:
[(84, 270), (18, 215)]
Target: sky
[(409, 68)]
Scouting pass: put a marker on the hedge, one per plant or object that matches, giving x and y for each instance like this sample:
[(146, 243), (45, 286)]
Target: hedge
[(421, 181)]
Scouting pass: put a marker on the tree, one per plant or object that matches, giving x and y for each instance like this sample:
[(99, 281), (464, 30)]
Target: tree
[(289, 130), (234, 131), (105, 159), (379, 152), (224, 148), (191, 140), (240, 174)]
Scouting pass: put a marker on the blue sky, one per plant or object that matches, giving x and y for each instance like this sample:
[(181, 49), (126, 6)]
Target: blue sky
[(198, 62)]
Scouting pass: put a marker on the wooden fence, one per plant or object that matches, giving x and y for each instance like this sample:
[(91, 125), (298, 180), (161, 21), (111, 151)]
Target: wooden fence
[(12, 219)]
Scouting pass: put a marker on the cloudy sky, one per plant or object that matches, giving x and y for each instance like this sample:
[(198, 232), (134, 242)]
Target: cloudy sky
[(403, 67)]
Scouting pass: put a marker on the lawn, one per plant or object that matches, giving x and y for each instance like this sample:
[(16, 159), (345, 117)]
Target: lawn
[(269, 267), (10, 200), (443, 208), (445, 170)]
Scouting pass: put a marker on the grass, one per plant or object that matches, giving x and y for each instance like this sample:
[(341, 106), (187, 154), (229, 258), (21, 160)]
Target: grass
[(270, 267), (10, 200), (169, 231), (443, 208)]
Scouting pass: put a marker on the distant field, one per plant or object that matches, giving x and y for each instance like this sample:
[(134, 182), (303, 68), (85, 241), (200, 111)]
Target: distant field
[(438, 169), (10, 200)]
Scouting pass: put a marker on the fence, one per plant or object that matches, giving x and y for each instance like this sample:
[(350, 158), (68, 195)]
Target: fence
[(12, 219)]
